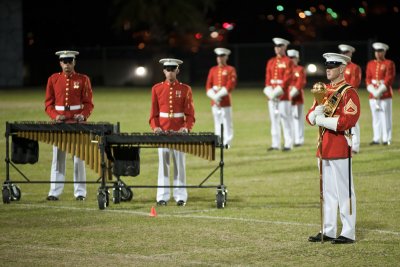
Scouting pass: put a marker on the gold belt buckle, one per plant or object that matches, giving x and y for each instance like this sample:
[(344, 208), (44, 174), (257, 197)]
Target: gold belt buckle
[(171, 115)]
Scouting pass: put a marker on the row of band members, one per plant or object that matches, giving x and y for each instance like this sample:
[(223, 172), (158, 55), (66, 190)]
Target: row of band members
[(69, 98)]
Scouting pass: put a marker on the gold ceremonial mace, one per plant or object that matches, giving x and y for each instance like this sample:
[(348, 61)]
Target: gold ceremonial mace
[(319, 92)]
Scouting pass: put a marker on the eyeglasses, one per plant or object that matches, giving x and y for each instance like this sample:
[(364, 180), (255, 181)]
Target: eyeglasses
[(170, 68), (332, 64), (67, 60)]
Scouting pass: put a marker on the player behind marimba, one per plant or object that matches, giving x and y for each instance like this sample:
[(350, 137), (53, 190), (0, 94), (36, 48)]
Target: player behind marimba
[(68, 99), (172, 109)]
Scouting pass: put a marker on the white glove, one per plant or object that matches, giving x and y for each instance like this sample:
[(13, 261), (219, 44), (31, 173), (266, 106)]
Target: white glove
[(294, 92), (157, 130), (318, 111), (381, 89), (222, 92), (183, 130), (268, 91), (329, 122), (370, 88), (278, 91), (211, 94)]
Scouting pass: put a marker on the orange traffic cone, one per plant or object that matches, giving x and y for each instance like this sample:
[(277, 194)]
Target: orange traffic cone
[(153, 212)]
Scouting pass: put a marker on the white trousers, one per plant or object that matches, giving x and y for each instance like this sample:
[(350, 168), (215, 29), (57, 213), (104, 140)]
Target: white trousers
[(381, 111), (280, 112), (355, 131), (58, 174), (298, 123), (164, 156), (335, 176), (223, 115)]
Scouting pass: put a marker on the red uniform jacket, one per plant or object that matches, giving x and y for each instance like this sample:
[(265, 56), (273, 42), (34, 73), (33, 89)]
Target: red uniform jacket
[(352, 74), (298, 81), (279, 71), (68, 91), (222, 76), (171, 98), (381, 71), (334, 144)]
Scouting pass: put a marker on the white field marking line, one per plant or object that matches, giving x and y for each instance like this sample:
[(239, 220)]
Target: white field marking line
[(200, 217)]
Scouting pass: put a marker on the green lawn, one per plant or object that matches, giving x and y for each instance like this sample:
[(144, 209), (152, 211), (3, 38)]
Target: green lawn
[(273, 203)]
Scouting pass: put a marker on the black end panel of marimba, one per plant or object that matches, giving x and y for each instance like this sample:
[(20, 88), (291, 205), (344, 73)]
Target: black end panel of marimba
[(24, 150), (126, 161)]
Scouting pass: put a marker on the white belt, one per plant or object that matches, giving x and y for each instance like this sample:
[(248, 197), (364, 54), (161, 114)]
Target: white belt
[(171, 115), (373, 81), (276, 81), (74, 107)]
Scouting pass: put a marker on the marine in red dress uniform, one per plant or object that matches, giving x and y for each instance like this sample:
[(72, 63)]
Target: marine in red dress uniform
[(380, 75), (352, 75), (278, 77), (172, 110), (336, 164), (221, 81), (68, 99), (296, 95)]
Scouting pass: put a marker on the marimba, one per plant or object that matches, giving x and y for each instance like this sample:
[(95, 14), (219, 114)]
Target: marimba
[(198, 144), (78, 139), (74, 138)]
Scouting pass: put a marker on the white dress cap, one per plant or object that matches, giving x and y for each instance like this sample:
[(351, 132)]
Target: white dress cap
[(170, 62), (345, 48), (222, 51), (293, 53), (378, 46), (334, 57), (67, 53), (280, 41)]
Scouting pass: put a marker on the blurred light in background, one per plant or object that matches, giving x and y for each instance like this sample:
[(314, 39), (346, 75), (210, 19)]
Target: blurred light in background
[(140, 71)]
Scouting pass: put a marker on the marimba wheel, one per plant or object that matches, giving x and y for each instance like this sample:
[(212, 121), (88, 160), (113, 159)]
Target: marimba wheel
[(15, 192), (6, 195), (126, 194)]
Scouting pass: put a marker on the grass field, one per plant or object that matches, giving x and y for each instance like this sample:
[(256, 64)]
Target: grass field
[(272, 208)]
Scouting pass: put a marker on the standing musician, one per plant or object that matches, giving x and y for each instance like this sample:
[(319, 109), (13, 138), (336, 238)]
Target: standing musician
[(278, 76), (336, 118), (172, 110), (352, 75), (68, 100), (221, 81), (380, 75), (296, 95)]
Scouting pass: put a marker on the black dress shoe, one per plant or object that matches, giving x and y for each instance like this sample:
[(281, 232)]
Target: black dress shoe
[(80, 198), (285, 149), (272, 148), (317, 238), (373, 143), (162, 203), (297, 145), (52, 198), (181, 203), (386, 143), (342, 240)]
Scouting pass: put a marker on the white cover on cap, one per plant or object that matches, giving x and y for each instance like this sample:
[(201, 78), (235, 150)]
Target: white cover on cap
[(280, 41), (67, 53), (344, 47), (336, 57), (383, 46), (170, 62), (222, 51), (293, 53)]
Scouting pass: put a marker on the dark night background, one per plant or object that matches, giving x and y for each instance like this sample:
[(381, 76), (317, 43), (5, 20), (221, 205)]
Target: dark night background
[(151, 26)]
